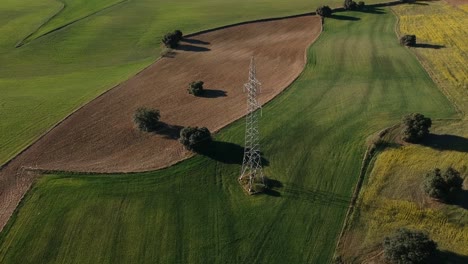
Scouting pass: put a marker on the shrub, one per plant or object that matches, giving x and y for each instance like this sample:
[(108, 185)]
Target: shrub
[(435, 186), (193, 137), (408, 40), (196, 88), (349, 5), (360, 5), (441, 186), (324, 11), (146, 119), (453, 179), (415, 127), (409, 247), (171, 40)]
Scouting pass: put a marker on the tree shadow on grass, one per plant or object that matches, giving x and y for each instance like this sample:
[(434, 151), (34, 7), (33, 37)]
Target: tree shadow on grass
[(371, 10), (428, 46), (192, 48), (210, 93), (448, 257), (195, 41), (225, 152), (168, 131), (342, 17), (446, 142)]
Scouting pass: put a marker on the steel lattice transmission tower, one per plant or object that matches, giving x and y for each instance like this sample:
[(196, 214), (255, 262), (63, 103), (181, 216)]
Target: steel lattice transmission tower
[(252, 172)]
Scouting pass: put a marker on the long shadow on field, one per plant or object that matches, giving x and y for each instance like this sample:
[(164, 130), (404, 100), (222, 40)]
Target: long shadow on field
[(196, 41), (316, 196), (225, 152), (192, 48), (448, 257), (168, 131), (342, 17), (371, 10), (428, 46), (446, 142), (271, 187), (211, 93)]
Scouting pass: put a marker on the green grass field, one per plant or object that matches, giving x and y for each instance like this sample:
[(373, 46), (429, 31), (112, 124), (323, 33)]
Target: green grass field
[(358, 80), (392, 196), (102, 44)]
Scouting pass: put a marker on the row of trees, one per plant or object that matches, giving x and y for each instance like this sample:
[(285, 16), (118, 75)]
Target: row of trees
[(326, 11)]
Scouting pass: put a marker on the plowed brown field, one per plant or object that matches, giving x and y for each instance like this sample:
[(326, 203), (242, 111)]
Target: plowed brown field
[(101, 137)]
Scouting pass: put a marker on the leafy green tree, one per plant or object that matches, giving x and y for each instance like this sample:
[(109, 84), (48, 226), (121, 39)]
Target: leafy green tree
[(453, 179), (408, 40), (194, 137), (196, 88), (349, 5), (172, 39), (361, 4), (409, 247), (415, 127), (146, 119), (324, 11), (442, 186), (435, 186)]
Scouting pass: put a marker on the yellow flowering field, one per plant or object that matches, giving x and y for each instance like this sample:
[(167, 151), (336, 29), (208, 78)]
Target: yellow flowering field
[(442, 32), (392, 195)]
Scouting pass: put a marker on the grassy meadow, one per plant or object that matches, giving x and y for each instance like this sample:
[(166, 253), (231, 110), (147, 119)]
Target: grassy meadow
[(358, 80), (58, 55), (392, 196)]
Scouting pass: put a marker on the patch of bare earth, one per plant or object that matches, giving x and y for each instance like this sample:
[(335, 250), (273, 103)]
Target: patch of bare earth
[(101, 137), (457, 2)]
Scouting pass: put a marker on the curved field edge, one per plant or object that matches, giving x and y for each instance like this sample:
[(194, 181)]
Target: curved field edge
[(357, 79), (81, 61), (393, 181), (147, 66), (17, 184)]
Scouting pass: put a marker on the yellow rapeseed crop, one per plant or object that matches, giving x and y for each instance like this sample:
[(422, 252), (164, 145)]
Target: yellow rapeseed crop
[(442, 33), (393, 196)]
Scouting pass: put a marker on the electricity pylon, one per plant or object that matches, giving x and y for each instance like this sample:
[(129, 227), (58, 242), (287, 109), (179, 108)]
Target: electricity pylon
[(252, 162)]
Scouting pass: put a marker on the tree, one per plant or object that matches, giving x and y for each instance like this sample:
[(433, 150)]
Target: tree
[(441, 186), (435, 186), (194, 137), (361, 4), (409, 247), (147, 119), (349, 5), (453, 179), (196, 88), (408, 40), (171, 40), (324, 11), (415, 127)]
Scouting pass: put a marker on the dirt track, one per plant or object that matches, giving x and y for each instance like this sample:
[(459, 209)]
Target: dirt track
[(100, 137)]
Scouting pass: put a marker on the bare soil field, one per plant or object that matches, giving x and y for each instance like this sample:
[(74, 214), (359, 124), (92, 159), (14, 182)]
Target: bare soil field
[(101, 136)]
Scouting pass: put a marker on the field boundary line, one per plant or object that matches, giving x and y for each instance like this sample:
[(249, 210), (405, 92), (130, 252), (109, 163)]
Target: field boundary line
[(371, 153), (24, 40), (157, 59), (47, 20), (430, 73)]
